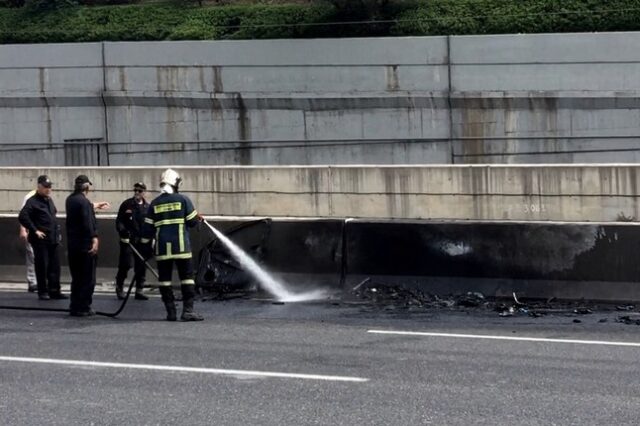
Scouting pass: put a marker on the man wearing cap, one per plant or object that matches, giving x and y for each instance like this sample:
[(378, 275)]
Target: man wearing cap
[(82, 246), (129, 225), (38, 216)]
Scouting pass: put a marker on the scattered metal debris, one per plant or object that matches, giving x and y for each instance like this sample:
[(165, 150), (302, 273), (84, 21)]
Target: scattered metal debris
[(515, 298), (625, 307), (387, 297), (507, 312), (363, 282), (471, 299), (629, 319)]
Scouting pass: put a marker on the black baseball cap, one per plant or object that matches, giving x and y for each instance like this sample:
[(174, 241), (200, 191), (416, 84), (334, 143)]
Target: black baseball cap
[(44, 181), (82, 179), (140, 185)]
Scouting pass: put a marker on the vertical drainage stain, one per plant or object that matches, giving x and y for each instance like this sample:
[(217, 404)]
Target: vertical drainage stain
[(244, 131), (392, 77), (123, 79), (41, 79), (217, 80), (42, 82), (203, 86), (159, 78)]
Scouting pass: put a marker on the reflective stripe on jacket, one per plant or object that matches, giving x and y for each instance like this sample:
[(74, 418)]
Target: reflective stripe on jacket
[(167, 220)]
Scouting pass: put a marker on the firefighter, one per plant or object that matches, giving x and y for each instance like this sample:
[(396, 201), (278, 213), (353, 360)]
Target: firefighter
[(38, 217), (168, 219), (129, 224)]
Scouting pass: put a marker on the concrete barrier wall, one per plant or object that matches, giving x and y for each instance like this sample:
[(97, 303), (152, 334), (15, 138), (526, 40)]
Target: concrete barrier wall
[(569, 261), (416, 100), (573, 261), (600, 193)]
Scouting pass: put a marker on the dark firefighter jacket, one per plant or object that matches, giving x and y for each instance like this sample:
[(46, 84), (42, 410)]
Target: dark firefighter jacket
[(167, 220), (39, 214), (130, 220)]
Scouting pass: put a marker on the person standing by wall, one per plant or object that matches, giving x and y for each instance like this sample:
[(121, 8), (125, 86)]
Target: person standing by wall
[(169, 216), (129, 225), (32, 283), (38, 217), (82, 246)]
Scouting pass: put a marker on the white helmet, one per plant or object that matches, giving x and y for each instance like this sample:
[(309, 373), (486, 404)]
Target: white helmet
[(170, 177)]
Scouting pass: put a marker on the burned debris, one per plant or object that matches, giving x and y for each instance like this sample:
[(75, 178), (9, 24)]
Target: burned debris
[(388, 297)]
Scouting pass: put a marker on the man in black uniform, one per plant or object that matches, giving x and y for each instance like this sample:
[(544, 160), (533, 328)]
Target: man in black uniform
[(129, 224), (38, 216), (168, 219), (82, 241)]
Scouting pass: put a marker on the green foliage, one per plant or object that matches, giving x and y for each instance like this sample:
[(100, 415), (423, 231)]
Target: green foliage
[(156, 22), (42, 6), (48, 21), (12, 3), (249, 22), (359, 9), (517, 16)]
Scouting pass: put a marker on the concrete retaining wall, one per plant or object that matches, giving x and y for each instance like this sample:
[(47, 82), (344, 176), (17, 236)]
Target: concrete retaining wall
[(600, 193), (415, 100), (569, 98)]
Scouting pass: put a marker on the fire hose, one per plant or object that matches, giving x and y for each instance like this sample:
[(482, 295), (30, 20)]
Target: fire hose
[(105, 314)]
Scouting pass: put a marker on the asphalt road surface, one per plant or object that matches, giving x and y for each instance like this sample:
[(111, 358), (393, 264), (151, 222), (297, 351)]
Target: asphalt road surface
[(256, 363)]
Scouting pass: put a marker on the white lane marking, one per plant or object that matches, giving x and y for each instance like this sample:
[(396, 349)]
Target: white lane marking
[(219, 371), (511, 338)]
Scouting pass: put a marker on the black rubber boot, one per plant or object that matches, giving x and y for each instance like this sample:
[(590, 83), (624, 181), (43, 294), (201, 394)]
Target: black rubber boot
[(139, 287), (120, 289), (188, 296), (169, 302)]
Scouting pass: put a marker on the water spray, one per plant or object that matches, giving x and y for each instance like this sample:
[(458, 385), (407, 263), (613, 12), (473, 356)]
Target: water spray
[(270, 284)]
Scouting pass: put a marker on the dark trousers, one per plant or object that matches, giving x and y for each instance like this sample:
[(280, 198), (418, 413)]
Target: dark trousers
[(184, 267), (124, 264), (185, 273), (47, 264), (83, 280)]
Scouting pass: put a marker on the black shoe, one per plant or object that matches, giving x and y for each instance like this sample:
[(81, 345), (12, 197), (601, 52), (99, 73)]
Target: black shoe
[(43, 296), (58, 296), (88, 313), (140, 296), (32, 288), (172, 313), (188, 295), (191, 316), (120, 294)]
